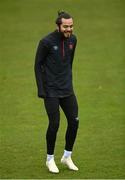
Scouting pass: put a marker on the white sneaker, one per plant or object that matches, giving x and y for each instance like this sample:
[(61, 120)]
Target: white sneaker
[(52, 166), (68, 161)]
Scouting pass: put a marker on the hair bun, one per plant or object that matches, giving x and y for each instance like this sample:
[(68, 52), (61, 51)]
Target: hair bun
[(60, 13)]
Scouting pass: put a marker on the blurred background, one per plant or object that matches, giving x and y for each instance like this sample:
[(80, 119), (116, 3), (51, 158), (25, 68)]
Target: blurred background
[(99, 83)]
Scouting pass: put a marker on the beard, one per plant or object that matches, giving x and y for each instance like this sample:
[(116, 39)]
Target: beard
[(67, 34)]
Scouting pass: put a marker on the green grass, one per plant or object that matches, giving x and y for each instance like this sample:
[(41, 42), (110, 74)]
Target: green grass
[(99, 81)]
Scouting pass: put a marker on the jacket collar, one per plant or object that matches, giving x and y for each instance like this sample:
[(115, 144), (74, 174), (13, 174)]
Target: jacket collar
[(60, 35)]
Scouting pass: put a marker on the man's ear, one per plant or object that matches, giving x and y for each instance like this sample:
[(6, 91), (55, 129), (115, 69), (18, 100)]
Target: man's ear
[(57, 28)]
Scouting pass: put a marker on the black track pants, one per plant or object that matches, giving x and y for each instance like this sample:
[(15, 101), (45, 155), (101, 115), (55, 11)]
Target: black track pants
[(70, 108)]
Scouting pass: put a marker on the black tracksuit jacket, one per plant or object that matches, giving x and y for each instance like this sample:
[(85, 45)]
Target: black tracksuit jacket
[(53, 65)]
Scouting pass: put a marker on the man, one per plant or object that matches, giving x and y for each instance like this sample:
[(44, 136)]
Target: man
[(53, 71)]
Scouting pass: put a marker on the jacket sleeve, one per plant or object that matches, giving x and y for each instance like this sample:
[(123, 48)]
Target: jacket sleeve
[(40, 58), (73, 52)]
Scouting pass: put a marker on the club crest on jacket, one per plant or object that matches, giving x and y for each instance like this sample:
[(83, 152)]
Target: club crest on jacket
[(71, 46)]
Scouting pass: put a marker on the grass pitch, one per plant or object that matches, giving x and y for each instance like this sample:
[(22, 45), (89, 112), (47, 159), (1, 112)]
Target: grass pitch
[(99, 82)]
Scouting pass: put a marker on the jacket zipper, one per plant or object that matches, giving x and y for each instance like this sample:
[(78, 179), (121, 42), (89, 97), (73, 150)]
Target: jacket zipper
[(63, 51)]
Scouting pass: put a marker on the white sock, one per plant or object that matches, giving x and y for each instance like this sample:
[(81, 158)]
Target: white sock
[(67, 153), (49, 157)]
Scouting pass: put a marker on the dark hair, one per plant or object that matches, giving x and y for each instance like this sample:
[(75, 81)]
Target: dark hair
[(62, 14)]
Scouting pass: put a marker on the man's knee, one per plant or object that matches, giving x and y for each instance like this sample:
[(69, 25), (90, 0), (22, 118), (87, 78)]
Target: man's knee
[(74, 123), (54, 122), (54, 126)]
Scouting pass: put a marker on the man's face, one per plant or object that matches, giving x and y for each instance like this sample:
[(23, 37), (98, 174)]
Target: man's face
[(67, 27)]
